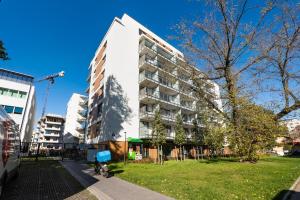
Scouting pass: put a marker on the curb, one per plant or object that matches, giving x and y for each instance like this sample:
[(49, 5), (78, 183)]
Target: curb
[(291, 189), (91, 188)]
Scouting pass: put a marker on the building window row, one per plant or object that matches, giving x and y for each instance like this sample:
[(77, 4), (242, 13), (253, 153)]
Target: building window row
[(13, 93), (10, 75), (13, 109)]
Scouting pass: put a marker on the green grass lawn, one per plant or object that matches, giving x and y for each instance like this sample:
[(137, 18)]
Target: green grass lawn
[(222, 179)]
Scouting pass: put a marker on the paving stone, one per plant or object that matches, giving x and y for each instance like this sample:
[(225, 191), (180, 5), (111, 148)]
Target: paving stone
[(45, 180)]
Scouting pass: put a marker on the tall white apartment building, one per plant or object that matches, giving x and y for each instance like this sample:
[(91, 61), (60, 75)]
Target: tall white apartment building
[(75, 125), (17, 97), (49, 132), (133, 73)]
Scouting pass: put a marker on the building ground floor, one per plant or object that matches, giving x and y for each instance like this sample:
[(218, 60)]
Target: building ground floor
[(137, 149)]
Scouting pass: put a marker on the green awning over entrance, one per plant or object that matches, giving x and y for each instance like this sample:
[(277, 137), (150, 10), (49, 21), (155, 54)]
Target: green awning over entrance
[(136, 140)]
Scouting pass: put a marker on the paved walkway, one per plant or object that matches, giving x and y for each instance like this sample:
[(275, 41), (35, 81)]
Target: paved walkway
[(109, 188)]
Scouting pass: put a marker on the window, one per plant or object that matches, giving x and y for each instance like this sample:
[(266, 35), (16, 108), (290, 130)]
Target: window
[(22, 95), (13, 93), (9, 109), (3, 91), (18, 110)]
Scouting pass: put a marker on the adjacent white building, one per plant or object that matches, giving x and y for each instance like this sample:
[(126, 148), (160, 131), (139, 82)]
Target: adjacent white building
[(133, 73), (291, 124), (75, 125), (49, 132), (17, 97)]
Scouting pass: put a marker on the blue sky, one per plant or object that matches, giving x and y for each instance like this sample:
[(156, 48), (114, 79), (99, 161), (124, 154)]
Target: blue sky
[(44, 37)]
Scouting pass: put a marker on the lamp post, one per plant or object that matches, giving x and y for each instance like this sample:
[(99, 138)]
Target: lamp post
[(125, 148)]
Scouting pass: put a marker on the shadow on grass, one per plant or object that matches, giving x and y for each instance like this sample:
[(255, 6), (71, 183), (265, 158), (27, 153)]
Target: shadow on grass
[(113, 166), (119, 171), (291, 196), (217, 160)]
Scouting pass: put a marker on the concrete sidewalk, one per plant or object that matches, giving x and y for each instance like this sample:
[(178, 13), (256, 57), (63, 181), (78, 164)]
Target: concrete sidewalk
[(109, 188)]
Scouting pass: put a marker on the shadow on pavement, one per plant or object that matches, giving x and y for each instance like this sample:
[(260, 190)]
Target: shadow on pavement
[(292, 195), (44, 179)]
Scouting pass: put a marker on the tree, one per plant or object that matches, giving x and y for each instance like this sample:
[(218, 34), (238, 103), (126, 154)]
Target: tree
[(215, 138), (223, 45), (158, 136), (259, 129), (197, 137), (282, 61), (180, 137), (3, 53)]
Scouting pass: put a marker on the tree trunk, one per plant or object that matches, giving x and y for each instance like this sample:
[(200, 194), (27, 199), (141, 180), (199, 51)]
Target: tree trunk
[(161, 160), (180, 153), (195, 153), (157, 157), (201, 153), (183, 152), (176, 153)]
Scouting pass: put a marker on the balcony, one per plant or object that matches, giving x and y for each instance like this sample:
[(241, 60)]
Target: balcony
[(83, 113), (147, 93), (153, 62), (147, 133), (81, 119), (84, 102), (146, 115), (49, 141), (81, 127), (188, 121), (88, 77), (186, 79), (162, 81), (187, 105), (148, 47), (52, 128), (52, 135), (52, 122)]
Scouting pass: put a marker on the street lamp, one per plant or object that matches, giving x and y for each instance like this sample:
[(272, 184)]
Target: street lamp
[(125, 148)]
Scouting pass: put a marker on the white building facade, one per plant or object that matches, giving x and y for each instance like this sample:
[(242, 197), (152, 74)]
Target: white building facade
[(75, 125), (17, 97), (291, 124), (49, 132), (133, 73)]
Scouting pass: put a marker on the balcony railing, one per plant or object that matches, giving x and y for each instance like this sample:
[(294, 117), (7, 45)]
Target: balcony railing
[(147, 133), (164, 116), (187, 105), (80, 127), (84, 102), (51, 135), (156, 63), (158, 79), (81, 119), (167, 56), (159, 96), (52, 128), (82, 112)]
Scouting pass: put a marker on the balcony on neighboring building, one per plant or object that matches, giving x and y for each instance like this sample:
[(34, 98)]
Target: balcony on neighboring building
[(83, 113), (81, 127), (53, 128)]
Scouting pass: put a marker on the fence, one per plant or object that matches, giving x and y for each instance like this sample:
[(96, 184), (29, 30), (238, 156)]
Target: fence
[(56, 150)]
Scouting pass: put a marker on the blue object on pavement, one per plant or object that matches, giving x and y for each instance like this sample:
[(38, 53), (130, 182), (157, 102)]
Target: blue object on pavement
[(103, 156)]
